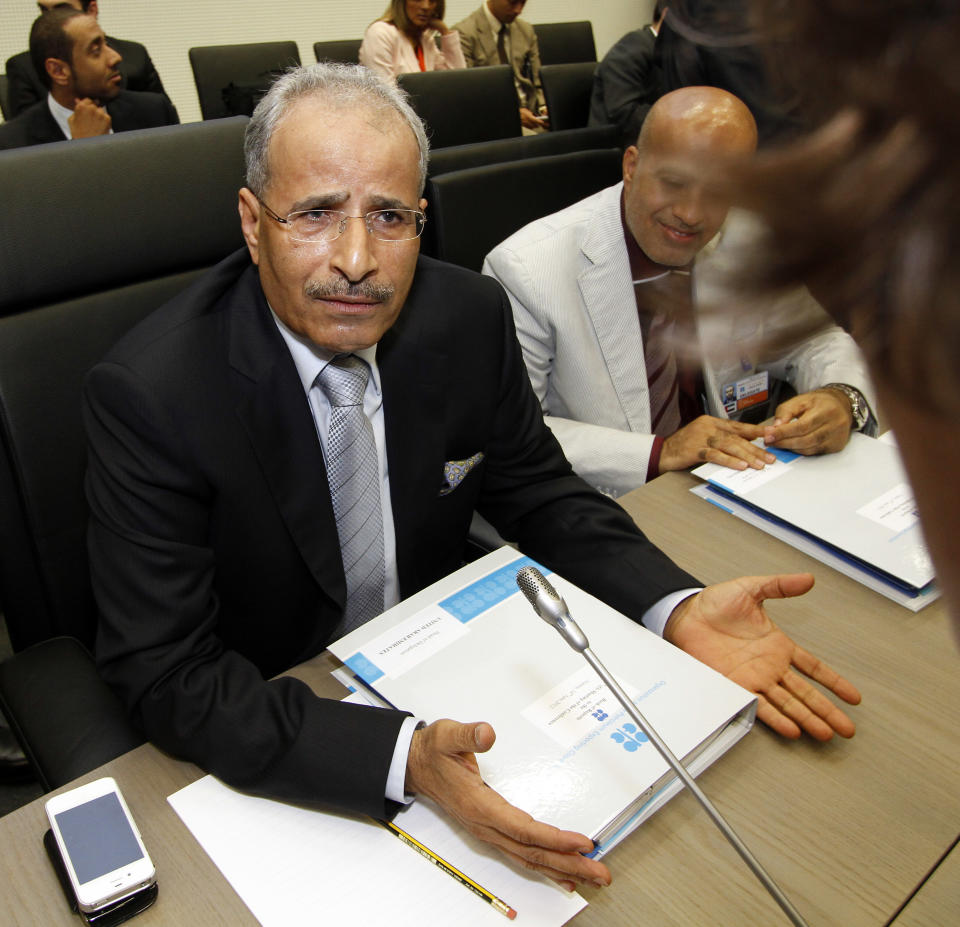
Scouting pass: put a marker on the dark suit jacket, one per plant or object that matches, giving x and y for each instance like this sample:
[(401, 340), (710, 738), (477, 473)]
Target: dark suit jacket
[(128, 110), (479, 46), (626, 84), (212, 542), (136, 70), (727, 58)]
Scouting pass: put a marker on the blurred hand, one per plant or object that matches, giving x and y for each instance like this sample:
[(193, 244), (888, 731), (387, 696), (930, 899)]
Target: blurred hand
[(714, 440), (441, 764), (726, 627), (529, 121), (812, 423), (89, 120)]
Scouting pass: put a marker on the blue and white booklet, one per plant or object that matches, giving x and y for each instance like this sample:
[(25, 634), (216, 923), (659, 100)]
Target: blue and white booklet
[(471, 648), (853, 510)]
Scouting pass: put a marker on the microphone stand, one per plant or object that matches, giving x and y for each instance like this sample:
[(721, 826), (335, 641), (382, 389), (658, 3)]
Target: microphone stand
[(549, 605)]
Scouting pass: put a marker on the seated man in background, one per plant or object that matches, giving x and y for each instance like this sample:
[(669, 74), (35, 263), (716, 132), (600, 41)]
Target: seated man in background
[(299, 440), (627, 81), (84, 99), (609, 299), (27, 86), (494, 35)]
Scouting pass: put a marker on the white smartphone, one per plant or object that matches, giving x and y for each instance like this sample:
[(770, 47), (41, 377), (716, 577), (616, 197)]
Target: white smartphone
[(102, 850)]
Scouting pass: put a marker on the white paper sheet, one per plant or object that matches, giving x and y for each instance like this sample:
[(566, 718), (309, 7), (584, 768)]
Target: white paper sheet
[(292, 866)]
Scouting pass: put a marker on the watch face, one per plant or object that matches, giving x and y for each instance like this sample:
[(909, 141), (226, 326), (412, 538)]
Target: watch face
[(859, 406)]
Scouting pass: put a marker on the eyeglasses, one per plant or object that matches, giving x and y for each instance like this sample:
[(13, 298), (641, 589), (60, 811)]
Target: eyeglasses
[(316, 225)]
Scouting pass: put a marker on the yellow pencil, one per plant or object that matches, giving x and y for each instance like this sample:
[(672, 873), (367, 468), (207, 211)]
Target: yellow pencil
[(441, 863)]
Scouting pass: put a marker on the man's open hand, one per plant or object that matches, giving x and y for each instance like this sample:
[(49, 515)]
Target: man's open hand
[(726, 627), (441, 764)]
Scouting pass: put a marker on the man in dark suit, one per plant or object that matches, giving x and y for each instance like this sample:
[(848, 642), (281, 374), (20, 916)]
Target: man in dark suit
[(223, 519), (26, 85), (627, 81), (84, 98)]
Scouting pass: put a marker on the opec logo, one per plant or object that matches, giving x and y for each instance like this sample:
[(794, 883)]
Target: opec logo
[(629, 738)]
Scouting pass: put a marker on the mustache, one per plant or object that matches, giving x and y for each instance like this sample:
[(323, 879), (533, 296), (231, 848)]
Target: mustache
[(337, 289)]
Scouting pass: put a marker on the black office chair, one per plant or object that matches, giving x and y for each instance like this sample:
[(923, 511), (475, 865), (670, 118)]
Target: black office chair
[(565, 43), (459, 157), (473, 210), (93, 237), (466, 105), (567, 89), (231, 79), (5, 96), (346, 51)]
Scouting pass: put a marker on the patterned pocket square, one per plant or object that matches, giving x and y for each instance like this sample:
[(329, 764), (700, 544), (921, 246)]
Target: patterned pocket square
[(454, 472)]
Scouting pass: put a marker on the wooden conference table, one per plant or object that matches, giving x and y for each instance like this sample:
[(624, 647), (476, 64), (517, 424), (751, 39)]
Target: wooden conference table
[(848, 829)]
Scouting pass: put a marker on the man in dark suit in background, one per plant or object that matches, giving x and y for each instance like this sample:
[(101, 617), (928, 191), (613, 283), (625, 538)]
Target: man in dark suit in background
[(327, 384), (84, 98), (627, 81), (27, 86), (494, 34)]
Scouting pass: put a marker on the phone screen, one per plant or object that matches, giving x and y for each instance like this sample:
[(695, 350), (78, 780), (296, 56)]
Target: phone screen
[(98, 837)]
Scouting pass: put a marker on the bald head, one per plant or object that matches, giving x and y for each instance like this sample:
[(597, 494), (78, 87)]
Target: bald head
[(704, 120), (669, 209)]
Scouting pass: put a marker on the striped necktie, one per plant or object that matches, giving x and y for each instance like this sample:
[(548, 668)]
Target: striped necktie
[(353, 474)]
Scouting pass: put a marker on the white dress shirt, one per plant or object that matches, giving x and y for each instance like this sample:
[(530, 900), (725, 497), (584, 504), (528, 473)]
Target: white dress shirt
[(309, 360)]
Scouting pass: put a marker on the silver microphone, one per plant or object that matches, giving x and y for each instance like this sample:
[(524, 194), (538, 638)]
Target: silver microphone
[(550, 606)]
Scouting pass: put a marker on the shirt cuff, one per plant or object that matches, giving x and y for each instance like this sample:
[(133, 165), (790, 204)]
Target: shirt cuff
[(397, 776), (653, 464), (656, 616)]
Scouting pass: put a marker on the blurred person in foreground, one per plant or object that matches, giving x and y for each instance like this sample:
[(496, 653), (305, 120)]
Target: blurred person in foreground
[(865, 209)]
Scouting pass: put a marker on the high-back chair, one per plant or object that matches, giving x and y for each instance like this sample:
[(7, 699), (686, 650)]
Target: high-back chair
[(231, 79), (346, 51), (473, 210), (4, 96), (93, 237), (567, 89), (465, 105), (563, 43), (477, 154)]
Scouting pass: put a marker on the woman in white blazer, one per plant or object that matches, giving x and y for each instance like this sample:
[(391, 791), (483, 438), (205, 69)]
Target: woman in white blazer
[(403, 40)]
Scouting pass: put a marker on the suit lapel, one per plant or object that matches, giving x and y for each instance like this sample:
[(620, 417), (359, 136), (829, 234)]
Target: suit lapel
[(274, 411), (121, 113), (412, 366), (607, 292), (43, 127), (488, 40)]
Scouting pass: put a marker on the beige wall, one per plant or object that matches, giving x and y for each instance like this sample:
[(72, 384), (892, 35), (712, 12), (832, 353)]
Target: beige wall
[(169, 27)]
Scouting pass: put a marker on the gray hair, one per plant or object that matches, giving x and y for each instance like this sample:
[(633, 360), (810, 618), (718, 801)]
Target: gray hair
[(344, 86)]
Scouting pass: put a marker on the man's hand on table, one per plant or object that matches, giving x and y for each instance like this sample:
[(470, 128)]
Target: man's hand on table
[(811, 423), (441, 765), (726, 627), (714, 440)]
